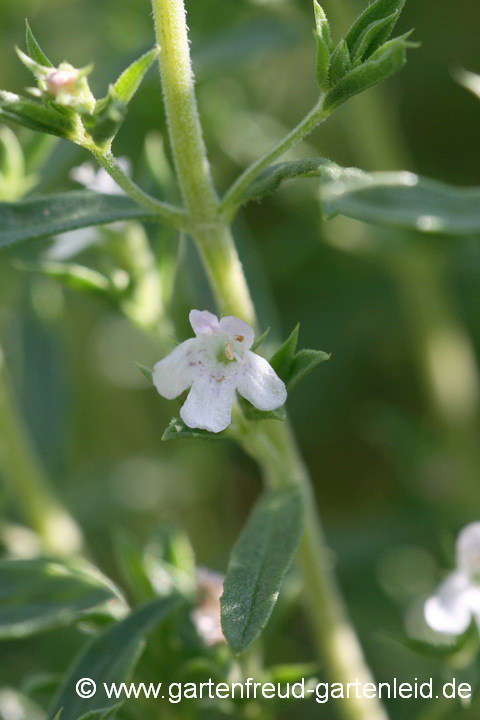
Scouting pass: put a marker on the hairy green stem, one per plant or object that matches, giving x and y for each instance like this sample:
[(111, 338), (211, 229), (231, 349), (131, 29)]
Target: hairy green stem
[(21, 467), (271, 443), (170, 213), (233, 197)]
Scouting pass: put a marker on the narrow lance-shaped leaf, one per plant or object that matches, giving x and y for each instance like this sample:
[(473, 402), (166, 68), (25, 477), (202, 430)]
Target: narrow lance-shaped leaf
[(373, 37), (129, 81), (384, 63), (37, 117), (271, 178), (339, 63), (78, 277), (402, 199), (34, 49), (110, 658), (282, 359), (323, 43), (103, 714), (44, 216), (40, 594), (376, 11), (303, 363), (258, 564)]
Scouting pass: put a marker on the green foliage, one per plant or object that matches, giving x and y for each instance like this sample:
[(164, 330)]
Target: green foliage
[(40, 594), (281, 360), (43, 216), (129, 81), (110, 657), (364, 57), (32, 115), (404, 200), (260, 339), (102, 714), (253, 413), (177, 430), (292, 365), (258, 564), (34, 49), (270, 179)]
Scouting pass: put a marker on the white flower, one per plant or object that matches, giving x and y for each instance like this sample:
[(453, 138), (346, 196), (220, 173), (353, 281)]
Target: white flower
[(457, 600), (214, 364)]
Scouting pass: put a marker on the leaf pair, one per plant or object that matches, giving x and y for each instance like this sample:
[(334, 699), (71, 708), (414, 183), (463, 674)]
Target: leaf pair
[(364, 57)]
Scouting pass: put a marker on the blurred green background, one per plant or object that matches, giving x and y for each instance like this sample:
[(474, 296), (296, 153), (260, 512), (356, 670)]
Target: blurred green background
[(389, 427)]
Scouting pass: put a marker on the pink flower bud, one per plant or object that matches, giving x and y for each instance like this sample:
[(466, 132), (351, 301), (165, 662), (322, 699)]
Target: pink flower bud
[(62, 80)]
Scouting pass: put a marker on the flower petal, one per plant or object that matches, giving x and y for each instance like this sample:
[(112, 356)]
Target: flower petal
[(259, 383), (468, 549), (175, 373), (209, 404), (203, 322), (234, 327), (448, 611)]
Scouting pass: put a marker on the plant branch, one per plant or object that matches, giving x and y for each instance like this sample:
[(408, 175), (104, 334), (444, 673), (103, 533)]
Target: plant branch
[(233, 197), (175, 216)]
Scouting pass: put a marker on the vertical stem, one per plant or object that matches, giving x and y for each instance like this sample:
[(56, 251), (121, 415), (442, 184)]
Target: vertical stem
[(272, 445), (30, 487)]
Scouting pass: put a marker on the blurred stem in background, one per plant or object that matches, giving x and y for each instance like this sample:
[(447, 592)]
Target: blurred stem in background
[(22, 469), (272, 445)]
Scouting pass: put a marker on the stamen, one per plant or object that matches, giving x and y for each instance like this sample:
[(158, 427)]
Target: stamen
[(239, 338), (229, 351)]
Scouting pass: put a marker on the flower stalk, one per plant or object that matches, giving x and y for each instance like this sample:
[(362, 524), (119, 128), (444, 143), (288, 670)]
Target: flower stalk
[(57, 530), (270, 443)]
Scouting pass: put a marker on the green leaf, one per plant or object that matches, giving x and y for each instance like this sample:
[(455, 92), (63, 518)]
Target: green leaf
[(339, 63), (103, 713), (44, 216), (271, 178), (324, 45), (385, 62), (34, 116), (402, 199), (40, 594), (260, 339), (258, 564), (34, 49), (282, 359), (129, 81), (303, 363), (109, 658), (146, 372), (373, 37), (103, 124), (375, 11), (252, 413), (178, 430)]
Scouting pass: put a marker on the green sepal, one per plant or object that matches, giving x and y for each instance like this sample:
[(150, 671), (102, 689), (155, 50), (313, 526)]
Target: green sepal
[(385, 62), (103, 124), (340, 63), (37, 117), (259, 340), (373, 37), (178, 430), (303, 363), (34, 49), (40, 70), (146, 372), (323, 44), (283, 357), (375, 11), (252, 413), (129, 81)]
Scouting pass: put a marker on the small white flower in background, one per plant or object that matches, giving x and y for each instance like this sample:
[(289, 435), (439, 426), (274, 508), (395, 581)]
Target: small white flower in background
[(214, 364), (206, 614), (457, 600), (69, 244)]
